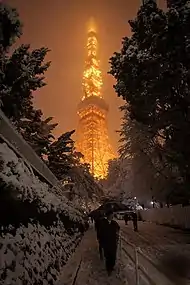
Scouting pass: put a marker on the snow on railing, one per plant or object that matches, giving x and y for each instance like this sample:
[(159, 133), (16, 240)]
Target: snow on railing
[(15, 141)]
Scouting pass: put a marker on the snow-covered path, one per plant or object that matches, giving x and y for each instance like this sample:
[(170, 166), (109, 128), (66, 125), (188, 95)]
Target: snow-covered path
[(153, 240), (92, 270)]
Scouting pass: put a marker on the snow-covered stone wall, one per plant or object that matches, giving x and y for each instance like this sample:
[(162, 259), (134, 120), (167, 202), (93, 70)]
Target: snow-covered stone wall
[(39, 227), (35, 254)]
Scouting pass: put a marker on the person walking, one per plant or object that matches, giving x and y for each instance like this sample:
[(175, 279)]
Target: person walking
[(98, 228), (86, 223), (135, 221), (109, 233), (126, 218)]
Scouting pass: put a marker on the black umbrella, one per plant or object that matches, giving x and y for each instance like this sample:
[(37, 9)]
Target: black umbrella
[(114, 206), (96, 213)]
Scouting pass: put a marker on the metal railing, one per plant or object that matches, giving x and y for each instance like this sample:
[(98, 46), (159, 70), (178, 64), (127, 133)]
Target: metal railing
[(16, 142), (143, 265)]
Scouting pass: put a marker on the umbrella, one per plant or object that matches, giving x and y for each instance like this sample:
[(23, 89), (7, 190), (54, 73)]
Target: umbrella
[(113, 205), (96, 213)]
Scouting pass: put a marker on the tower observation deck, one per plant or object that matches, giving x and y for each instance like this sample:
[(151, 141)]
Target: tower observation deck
[(92, 132)]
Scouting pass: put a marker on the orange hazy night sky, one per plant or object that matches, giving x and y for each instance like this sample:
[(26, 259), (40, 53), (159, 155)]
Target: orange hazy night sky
[(61, 25)]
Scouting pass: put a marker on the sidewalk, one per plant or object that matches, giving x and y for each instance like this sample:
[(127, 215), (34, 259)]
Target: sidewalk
[(92, 270)]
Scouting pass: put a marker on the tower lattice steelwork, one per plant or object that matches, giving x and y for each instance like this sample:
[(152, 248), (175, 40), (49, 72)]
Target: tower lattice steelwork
[(92, 133)]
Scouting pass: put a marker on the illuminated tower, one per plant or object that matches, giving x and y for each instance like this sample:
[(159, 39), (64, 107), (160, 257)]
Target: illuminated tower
[(92, 133)]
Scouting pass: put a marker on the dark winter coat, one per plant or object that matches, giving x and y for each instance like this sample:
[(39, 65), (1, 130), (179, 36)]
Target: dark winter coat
[(126, 217), (134, 216), (109, 233), (98, 227)]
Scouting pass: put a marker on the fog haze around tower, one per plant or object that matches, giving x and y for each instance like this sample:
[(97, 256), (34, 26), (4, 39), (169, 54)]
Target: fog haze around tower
[(61, 26)]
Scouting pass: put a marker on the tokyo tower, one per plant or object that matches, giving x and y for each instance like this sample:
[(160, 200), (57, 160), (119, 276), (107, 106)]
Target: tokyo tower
[(92, 132)]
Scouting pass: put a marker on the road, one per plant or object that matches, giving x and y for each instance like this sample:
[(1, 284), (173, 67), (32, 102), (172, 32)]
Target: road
[(169, 249), (156, 242)]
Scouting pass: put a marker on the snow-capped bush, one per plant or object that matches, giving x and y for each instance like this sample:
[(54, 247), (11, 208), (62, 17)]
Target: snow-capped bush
[(35, 254), (39, 227)]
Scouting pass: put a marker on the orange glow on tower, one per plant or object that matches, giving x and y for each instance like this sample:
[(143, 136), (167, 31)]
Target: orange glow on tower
[(92, 133)]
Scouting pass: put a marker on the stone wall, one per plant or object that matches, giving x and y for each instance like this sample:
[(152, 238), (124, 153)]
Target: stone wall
[(35, 255), (39, 227)]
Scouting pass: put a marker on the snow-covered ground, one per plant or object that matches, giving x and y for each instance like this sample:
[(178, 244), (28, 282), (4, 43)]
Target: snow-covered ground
[(155, 240), (151, 239), (92, 269), (40, 228), (163, 245)]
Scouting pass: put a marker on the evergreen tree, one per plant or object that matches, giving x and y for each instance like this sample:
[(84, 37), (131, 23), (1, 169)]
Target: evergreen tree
[(60, 156), (118, 180), (136, 68), (21, 73), (10, 27), (65, 162), (37, 132), (178, 86), (114, 172), (176, 3), (85, 191), (142, 174), (152, 75)]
